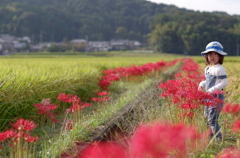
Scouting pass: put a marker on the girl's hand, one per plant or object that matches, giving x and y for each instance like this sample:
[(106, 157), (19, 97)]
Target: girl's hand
[(200, 88)]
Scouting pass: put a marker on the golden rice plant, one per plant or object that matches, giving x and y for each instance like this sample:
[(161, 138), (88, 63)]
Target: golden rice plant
[(26, 80)]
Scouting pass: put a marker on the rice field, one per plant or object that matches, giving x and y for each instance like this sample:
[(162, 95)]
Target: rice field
[(26, 80)]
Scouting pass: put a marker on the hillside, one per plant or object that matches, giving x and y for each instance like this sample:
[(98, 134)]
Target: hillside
[(68, 19), (159, 24)]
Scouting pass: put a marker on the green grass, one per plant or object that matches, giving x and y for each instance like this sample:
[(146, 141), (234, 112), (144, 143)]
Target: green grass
[(61, 143), (27, 79)]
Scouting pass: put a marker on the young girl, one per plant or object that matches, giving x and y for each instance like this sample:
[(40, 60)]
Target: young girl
[(216, 79)]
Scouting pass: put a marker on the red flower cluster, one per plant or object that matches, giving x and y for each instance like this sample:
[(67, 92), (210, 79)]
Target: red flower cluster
[(190, 70), (77, 104), (100, 99), (46, 109), (103, 93), (235, 110), (173, 62), (162, 140), (24, 125), (155, 141), (229, 153), (236, 126), (231, 108), (111, 75), (21, 131), (103, 96), (183, 91), (69, 98), (6, 135), (103, 150)]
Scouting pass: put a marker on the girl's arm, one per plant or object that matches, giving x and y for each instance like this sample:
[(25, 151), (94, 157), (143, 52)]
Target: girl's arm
[(201, 85), (220, 83)]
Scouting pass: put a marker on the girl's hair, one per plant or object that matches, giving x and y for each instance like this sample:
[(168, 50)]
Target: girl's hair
[(221, 58)]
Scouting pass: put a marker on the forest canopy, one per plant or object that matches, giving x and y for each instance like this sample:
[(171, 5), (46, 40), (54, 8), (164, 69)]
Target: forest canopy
[(168, 28)]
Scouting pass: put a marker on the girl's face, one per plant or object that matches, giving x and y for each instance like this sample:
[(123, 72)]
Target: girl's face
[(213, 58)]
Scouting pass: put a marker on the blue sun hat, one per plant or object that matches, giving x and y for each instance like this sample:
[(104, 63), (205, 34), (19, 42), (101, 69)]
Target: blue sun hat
[(214, 47)]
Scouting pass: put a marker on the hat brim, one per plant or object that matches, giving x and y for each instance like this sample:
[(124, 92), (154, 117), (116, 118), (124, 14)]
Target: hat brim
[(213, 50)]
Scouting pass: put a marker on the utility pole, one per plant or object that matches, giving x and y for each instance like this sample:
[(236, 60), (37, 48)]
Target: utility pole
[(238, 49), (33, 42), (86, 45), (40, 37)]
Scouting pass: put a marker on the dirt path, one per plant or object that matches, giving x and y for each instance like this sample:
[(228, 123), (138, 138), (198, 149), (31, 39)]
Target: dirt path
[(121, 125)]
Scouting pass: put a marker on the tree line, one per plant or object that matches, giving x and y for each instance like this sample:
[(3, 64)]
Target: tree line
[(56, 20), (189, 33), (168, 28)]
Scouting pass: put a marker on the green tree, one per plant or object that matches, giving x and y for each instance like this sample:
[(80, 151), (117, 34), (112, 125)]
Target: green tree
[(121, 32)]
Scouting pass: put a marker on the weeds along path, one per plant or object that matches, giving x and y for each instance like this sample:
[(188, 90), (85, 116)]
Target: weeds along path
[(143, 108)]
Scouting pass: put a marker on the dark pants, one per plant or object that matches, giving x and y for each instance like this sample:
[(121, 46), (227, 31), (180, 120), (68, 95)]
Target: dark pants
[(212, 114)]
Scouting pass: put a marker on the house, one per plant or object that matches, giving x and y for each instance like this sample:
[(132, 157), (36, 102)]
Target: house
[(78, 41), (99, 46), (40, 46), (11, 44), (124, 44), (19, 46), (6, 42), (1, 45), (134, 44), (24, 39)]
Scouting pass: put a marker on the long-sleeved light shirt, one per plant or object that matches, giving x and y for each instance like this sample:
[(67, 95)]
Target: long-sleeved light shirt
[(216, 70)]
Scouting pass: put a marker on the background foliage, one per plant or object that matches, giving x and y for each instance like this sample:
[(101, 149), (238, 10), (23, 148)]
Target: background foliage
[(163, 25)]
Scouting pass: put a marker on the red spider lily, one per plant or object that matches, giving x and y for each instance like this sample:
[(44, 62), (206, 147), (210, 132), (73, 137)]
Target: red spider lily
[(75, 100), (229, 153), (96, 99), (130, 71), (103, 93), (46, 109), (83, 105), (6, 135), (190, 70), (43, 108), (189, 114), (106, 81), (74, 108), (104, 99), (160, 140), (69, 125), (100, 99), (17, 136), (77, 107), (104, 84), (69, 98), (217, 92), (63, 97), (188, 106), (31, 139), (103, 150), (231, 108), (236, 126), (173, 62), (183, 91), (24, 125)]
